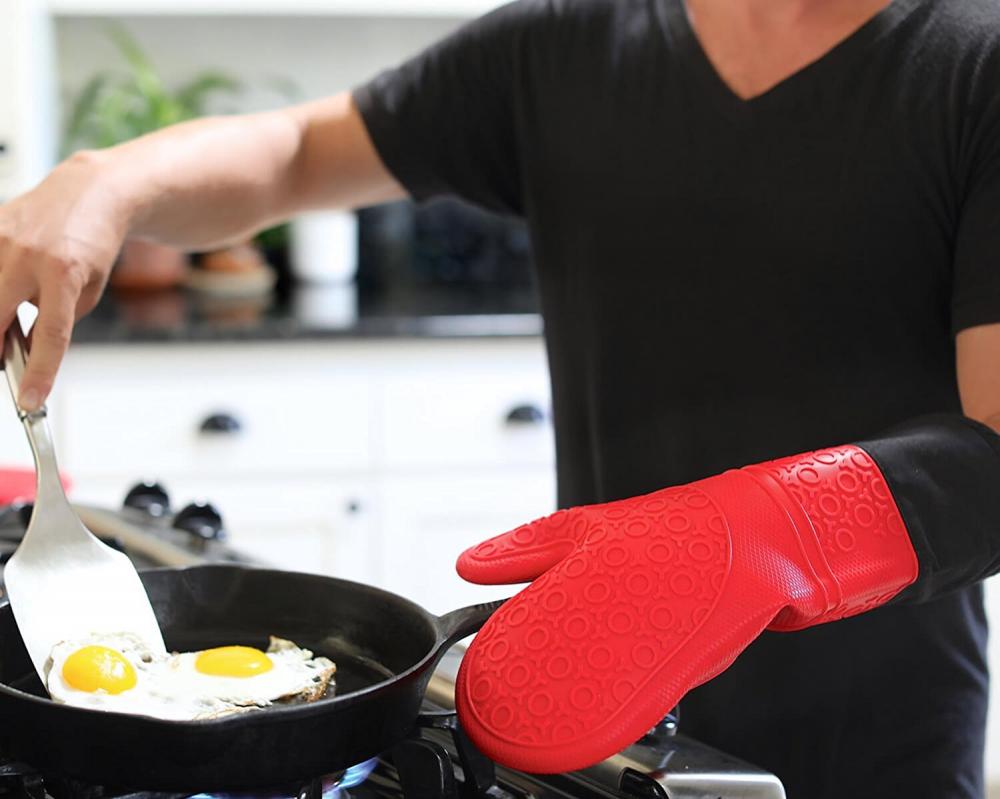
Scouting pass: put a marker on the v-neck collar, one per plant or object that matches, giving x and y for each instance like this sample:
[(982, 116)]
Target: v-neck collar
[(697, 60)]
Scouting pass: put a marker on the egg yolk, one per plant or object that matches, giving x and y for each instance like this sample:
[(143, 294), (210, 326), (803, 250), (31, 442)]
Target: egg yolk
[(96, 668), (233, 661)]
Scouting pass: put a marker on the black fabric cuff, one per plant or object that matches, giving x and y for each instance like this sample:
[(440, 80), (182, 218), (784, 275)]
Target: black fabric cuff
[(944, 473)]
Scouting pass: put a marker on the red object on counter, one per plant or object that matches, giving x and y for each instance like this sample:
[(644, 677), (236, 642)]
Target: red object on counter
[(18, 485), (636, 602)]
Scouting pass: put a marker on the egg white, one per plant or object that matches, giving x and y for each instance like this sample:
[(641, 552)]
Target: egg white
[(171, 688)]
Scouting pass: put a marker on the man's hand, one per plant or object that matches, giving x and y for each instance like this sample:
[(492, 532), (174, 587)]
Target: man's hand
[(57, 245), (194, 186)]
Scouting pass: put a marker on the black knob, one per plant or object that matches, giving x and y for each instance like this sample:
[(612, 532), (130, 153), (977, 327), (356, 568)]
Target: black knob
[(148, 496), (642, 786), (202, 521), (14, 520), (425, 769), (353, 506), (525, 414), (221, 423)]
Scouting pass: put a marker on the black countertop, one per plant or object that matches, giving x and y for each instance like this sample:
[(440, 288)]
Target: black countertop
[(304, 313)]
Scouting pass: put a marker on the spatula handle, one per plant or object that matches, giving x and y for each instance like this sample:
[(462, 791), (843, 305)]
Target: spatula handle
[(15, 359)]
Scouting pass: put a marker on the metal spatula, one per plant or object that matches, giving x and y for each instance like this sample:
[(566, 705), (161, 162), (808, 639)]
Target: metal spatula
[(64, 584)]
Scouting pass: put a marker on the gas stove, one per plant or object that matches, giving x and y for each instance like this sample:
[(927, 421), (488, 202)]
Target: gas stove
[(437, 761)]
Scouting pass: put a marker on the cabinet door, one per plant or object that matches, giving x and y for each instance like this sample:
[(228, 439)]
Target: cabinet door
[(428, 521), (322, 525)]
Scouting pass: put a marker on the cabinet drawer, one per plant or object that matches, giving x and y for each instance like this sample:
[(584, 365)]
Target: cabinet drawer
[(156, 428), (468, 415)]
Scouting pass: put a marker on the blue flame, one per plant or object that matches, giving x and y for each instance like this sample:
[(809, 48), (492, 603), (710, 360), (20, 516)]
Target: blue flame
[(332, 785), (355, 775)]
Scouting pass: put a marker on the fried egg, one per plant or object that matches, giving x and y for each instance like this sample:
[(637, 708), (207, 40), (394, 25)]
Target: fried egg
[(119, 673)]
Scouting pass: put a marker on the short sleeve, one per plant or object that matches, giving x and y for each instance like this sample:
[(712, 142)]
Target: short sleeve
[(447, 120), (976, 277)]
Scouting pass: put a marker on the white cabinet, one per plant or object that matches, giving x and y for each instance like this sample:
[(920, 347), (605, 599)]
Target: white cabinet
[(373, 461), (177, 423), (430, 520), (453, 468), (458, 417), (324, 526)]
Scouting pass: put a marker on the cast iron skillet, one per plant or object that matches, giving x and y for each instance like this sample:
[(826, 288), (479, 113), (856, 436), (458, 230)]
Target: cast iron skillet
[(385, 648)]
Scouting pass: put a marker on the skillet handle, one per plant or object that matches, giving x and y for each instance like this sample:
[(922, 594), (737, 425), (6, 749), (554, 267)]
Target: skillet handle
[(456, 625)]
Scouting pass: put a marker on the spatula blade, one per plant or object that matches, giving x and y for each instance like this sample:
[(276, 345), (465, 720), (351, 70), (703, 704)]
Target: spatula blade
[(75, 592)]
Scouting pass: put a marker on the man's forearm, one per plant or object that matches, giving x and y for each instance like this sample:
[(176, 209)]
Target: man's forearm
[(201, 183), (210, 181)]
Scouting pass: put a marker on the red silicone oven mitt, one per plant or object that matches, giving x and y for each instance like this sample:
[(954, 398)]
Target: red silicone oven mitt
[(636, 602)]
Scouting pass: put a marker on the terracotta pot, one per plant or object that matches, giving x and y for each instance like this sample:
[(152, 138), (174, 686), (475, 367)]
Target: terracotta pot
[(237, 271), (145, 266), (238, 259)]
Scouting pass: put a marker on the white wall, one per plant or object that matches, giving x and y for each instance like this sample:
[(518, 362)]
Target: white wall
[(321, 55)]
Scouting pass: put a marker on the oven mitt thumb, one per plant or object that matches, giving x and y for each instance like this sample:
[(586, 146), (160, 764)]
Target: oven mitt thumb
[(635, 602)]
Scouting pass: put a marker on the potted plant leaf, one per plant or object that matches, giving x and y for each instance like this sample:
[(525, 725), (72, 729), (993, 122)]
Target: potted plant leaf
[(114, 107)]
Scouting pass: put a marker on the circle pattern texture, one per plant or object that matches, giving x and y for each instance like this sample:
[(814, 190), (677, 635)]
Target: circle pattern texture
[(637, 601)]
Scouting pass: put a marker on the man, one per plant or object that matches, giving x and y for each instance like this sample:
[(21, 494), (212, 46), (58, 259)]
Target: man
[(761, 227)]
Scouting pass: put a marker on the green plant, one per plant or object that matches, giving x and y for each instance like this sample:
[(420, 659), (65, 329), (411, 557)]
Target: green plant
[(115, 107)]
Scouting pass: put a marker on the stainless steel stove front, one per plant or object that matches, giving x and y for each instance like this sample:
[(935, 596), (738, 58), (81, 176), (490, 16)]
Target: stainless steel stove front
[(663, 765)]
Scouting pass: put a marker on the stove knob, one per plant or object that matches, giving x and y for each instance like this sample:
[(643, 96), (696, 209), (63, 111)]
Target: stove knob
[(642, 786), (150, 497), (202, 521), (14, 520)]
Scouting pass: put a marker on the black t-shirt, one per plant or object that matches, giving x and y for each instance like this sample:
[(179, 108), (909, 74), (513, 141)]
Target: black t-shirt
[(727, 281)]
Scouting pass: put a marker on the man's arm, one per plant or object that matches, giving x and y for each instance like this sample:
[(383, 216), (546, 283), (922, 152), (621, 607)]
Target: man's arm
[(977, 351), (195, 185), (212, 181)]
